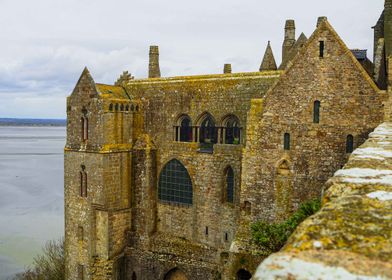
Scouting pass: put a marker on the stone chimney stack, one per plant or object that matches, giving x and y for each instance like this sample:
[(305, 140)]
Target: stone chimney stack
[(289, 38), (320, 20), (227, 68), (388, 27), (153, 66)]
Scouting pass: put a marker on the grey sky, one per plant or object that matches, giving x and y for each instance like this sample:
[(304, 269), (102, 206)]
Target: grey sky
[(46, 43)]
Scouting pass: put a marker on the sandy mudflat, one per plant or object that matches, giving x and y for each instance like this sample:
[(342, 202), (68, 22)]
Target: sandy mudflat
[(31, 193)]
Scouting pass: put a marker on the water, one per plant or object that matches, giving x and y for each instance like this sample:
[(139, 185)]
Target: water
[(31, 193)]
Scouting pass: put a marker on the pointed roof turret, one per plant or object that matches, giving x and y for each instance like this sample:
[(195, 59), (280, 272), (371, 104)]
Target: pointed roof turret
[(269, 63)]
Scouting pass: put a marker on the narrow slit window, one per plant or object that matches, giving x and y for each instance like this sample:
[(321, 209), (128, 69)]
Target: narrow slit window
[(226, 236), (349, 144), (316, 112), (322, 47), (206, 230), (286, 140)]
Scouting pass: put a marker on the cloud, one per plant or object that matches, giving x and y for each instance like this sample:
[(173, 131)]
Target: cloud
[(46, 43)]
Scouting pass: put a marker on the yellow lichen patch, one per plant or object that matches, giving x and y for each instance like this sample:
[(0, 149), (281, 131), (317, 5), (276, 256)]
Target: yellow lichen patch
[(116, 147), (112, 92)]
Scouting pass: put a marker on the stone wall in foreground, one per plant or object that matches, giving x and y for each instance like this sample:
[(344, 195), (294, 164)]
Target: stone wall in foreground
[(351, 236)]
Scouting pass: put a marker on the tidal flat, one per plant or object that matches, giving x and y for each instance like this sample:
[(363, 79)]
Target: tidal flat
[(31, 193)]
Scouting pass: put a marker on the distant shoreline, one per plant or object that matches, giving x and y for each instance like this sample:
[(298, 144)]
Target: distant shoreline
[(32, 122)]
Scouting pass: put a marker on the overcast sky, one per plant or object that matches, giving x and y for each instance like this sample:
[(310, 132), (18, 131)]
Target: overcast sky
[(46, 43)]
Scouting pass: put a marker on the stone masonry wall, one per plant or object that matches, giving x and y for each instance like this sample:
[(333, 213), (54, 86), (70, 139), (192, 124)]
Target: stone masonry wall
[(351, 104), (351, 236)]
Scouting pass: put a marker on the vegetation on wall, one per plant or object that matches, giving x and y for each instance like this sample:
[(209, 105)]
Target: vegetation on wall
[(48, 265), (271, 237)]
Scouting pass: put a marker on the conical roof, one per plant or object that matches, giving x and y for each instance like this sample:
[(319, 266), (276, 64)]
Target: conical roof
[(268, 63)]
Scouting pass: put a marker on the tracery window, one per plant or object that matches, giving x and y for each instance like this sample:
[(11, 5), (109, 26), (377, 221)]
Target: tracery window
[(208, 132), (349, 144), (175, 184), (316, 112), (184, 129), (229, 185), (232, 131)]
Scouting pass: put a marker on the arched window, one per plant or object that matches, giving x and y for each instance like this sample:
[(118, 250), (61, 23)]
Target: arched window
[(316, 112), (286, 141), (127, 108), (175, 184), (134, 276), (208, 132), (349, 144), (184, 130), (84, 123), (243, 274), (83, 182), (111, 107), (229, 185), (122, 107), (232, 132), (116, 107)]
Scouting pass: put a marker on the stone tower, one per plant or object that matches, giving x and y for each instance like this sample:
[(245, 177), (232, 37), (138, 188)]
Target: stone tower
[(268, 63), (153, 66), (97, 177), (289, 39)]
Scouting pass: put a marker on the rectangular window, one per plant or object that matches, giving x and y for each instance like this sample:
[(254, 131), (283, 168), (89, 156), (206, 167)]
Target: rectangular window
[(286, 141), (322, 48)]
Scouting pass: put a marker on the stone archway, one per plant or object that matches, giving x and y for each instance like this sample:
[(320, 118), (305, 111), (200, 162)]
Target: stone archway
[(175, 274)]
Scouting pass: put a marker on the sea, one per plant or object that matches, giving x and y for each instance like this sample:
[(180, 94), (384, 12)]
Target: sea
[(31, 193)]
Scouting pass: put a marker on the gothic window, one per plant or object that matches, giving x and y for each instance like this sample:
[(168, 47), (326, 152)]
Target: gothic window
[(134, 276), (111, 107), (208, 132), (232, 130), (116, 107), (349, 144), (175, 184), (322, 46), (316, 112), (229, 185), (286, 141), (122, 107), (127, 108), (84, 124), (184, 130), (83, 182)]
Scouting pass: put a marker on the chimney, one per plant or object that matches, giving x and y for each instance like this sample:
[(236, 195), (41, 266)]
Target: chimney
[(153, 66), (320, 20), (227, 68), (289, 38)]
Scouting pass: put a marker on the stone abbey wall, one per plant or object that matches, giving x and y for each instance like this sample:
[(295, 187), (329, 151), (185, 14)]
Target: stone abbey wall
[(121, 137), (350, 104)]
